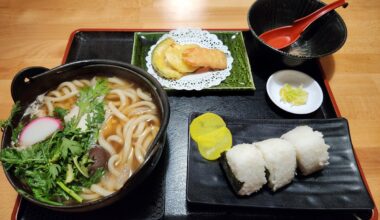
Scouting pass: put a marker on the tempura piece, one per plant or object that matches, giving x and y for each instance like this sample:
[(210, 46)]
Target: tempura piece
[(204, 57), (173, 56), (159, 61)]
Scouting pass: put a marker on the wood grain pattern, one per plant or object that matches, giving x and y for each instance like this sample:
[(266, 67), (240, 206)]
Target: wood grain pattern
[(35, 33)]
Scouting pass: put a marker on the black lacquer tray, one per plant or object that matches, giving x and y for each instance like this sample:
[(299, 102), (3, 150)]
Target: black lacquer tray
[(169, 182)]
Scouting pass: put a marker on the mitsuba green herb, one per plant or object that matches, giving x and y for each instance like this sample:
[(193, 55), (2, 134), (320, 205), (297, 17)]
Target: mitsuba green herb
[(56, 169)]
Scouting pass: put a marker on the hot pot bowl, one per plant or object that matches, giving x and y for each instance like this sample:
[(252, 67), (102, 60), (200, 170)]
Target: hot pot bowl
[(33, 81)]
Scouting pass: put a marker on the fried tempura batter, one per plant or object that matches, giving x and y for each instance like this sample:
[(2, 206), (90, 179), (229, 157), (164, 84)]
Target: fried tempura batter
[(204, 57), (173, 61), (173, 56)]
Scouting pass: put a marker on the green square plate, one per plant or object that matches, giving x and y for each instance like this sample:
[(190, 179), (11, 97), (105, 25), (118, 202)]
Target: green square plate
[(241, 75)]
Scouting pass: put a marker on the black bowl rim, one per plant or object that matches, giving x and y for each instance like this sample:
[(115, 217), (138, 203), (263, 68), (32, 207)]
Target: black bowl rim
[(299, 56), (163, 99)]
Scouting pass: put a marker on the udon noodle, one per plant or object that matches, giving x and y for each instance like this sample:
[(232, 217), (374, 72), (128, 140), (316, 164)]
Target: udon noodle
[(131, 124)]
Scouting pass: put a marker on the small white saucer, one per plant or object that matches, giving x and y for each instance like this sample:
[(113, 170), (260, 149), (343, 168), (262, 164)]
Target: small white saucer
[(295, 78)]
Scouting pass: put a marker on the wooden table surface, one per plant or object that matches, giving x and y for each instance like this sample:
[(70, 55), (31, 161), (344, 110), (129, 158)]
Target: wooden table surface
[(35, 33)]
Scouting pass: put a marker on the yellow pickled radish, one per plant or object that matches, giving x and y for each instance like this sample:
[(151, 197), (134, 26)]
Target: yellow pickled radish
[(204, 124), (212, 144), (212, 136)]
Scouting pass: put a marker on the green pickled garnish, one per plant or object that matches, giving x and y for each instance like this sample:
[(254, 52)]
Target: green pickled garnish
[(293, 95)]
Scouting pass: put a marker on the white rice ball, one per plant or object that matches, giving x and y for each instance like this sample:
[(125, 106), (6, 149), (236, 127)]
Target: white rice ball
[(248, 166), (311, 149), (280, 161)]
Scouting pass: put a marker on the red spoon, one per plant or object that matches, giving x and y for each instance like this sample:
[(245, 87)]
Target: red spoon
[(284, 36)]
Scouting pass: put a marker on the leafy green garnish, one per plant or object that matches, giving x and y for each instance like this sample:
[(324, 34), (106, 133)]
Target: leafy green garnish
[(56, 169), (94, 178), (70, 191), (82, 169), (90, 100), (7, 122), (60, 112), (16, 132), (74, 147), (69, 174)]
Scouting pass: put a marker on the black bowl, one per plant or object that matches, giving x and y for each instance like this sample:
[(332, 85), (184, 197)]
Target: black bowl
[(323, 37), (31, 82)]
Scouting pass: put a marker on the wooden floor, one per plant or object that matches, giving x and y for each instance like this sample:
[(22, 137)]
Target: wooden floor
[(35, 33)]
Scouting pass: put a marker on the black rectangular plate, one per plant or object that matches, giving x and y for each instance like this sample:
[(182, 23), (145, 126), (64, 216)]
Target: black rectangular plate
[(117, 45), (338, 187)]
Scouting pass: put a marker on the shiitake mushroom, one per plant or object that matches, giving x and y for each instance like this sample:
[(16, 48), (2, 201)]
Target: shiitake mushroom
[(100, 158)]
